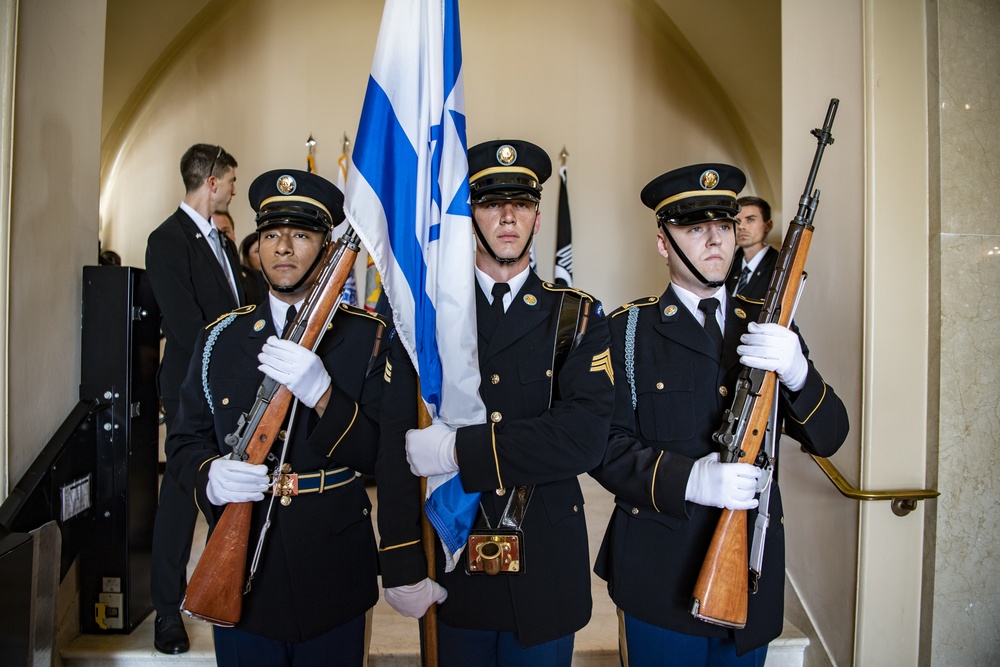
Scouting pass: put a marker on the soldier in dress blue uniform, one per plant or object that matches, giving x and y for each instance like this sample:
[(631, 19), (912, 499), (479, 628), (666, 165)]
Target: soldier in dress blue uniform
[(677, 357), (547, 423), (316, 579)]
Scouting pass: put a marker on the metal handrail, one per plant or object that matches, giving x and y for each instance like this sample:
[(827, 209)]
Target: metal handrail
[(904, 501)]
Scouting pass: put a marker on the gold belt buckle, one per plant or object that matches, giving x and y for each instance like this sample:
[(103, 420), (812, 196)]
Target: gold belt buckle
[(287, 485)]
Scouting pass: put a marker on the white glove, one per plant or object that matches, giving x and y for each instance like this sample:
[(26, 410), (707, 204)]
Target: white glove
[(414, 600), (431, 450), (295, 367), (729, 485), (232, 481), (772, 347)]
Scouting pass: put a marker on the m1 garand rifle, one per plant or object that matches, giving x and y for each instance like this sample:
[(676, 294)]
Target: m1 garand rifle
[(215, 591), (720, 594)]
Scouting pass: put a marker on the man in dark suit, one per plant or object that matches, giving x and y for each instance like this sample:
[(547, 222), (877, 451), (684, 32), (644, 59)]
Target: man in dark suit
[(755, 259), (195, 276), (678, 356), (317, 573), (548, 423)]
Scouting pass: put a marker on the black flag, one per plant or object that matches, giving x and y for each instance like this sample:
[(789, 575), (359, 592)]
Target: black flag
[(563, 270)]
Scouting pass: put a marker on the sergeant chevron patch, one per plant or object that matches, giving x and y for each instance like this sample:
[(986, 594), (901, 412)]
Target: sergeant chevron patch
[(602, 362), (388, 372)]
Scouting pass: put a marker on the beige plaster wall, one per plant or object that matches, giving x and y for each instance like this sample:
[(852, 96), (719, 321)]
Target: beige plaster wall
[(54, 201), (962, 626), (822, 526), (592, 75)]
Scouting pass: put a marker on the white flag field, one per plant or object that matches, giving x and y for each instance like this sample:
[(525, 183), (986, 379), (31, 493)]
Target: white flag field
[(407, 197)]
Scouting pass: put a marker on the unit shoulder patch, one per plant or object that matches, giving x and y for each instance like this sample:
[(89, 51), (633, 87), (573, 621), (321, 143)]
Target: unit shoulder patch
[(645, 301), (243, 310)]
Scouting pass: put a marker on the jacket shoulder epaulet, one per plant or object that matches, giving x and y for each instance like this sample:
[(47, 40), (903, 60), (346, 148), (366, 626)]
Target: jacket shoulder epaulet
[(361, 312), (753, 301), (645, 301), (552, 287), (243, 310)]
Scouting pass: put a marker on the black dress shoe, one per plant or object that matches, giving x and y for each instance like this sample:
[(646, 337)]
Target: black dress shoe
[(169, 635)]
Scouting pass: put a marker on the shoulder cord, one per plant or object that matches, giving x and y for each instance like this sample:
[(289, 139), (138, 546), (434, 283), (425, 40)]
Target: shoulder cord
[(206, 356), (633, 320)]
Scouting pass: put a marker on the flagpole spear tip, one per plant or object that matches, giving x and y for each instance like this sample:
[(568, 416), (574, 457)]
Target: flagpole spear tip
[(310, 141), (347, 142), (564, 154)]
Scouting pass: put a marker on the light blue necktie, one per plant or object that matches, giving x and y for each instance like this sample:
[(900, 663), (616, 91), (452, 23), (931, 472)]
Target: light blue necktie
[(220, 255)]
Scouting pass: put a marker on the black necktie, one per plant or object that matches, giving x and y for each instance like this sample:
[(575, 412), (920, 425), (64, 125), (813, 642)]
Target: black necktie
[(744, 279), (709, 306), (499, 290), (289, 319)]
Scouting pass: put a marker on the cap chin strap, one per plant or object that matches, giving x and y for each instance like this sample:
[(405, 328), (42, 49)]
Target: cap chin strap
[(305, 276), (690, 266), (501, 260)]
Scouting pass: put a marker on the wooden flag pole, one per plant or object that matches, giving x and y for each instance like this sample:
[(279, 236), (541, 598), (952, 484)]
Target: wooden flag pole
[(428, 538)]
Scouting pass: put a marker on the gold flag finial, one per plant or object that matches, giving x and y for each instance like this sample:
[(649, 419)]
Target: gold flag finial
[(564, 154), (346, 141)]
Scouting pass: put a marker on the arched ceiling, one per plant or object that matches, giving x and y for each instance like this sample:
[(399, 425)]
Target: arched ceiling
[(736, 39)]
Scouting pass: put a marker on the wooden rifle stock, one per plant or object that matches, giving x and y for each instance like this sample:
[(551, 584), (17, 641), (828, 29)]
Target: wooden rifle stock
[(721, 591), (215, 591)]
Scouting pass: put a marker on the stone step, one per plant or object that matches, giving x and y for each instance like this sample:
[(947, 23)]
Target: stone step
[(394, 644)]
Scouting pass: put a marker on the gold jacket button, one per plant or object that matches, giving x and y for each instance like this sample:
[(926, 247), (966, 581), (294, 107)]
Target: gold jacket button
[(496, 417), (364, 512), (723, 391), (576, 508), (495, 379), (281, 435), (225, 401), (501, 492), (548, 372), (635, 510), (659, 385)]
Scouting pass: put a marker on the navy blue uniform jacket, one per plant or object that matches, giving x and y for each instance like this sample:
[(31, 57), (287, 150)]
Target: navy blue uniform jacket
[(525, 442), (656, 540), (319, 564)]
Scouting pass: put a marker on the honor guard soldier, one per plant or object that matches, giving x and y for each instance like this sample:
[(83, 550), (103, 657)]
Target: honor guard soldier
[(677, 357), (521, 588), (316, 577)]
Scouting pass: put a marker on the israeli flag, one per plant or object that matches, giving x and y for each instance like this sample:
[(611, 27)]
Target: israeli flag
[(407, 197)]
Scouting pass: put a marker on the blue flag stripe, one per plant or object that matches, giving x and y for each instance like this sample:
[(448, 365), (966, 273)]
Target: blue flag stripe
[(389, 164)]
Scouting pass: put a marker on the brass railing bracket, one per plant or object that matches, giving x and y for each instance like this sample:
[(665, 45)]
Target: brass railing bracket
[(903, 501)]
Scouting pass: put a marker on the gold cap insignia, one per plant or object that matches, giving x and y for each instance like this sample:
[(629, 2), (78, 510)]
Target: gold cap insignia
[(506, 155), (670, 311), (286, 184), (740, 313), (258, 325), (709, 179), (530, 299)]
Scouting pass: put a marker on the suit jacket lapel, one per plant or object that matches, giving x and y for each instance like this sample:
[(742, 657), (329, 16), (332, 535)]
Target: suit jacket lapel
[(203, 246)]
